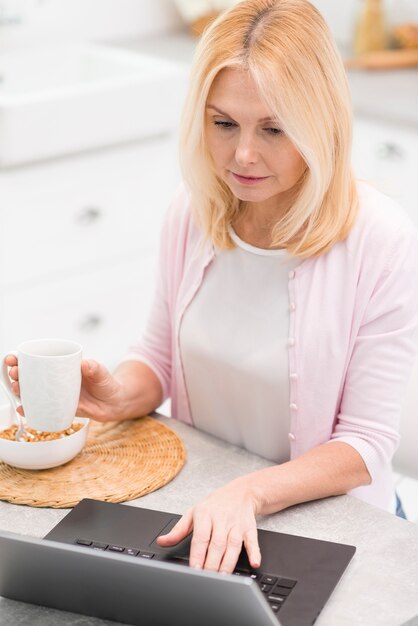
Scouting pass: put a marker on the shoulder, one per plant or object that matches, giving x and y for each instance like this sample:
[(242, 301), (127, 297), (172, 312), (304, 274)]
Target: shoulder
[(382, 227), (181, 237), (179, 216), (382, 241), (179, 210)]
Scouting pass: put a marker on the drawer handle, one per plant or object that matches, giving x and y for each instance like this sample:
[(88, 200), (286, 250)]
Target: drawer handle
[(90, 322), (389, 150), (88, 215)]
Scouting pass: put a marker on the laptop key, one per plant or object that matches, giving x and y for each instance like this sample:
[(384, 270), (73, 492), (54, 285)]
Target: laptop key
[(275, 598), (116, 549), (240, 571), (83, 542), (275, 607), (132, 551), (287, 582), (282, 591), (146, 555), (97, 545), (269, 580), (266, 588), (179, 560)]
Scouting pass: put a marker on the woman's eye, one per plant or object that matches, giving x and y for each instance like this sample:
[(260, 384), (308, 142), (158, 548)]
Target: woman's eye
[(274, 131), (225, 125)]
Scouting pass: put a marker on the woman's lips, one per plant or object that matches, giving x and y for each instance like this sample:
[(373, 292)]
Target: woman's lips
[(249, 180)]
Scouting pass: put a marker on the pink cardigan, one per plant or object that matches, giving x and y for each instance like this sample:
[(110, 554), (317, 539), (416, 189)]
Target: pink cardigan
[(353, 332)]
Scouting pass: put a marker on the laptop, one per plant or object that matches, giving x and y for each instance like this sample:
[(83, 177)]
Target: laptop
[(102, 560)]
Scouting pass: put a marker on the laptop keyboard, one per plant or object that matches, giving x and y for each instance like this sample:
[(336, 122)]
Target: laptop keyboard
[(276, 589)]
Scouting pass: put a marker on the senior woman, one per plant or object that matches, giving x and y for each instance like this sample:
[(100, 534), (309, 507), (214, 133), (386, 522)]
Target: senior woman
[(285, 317)]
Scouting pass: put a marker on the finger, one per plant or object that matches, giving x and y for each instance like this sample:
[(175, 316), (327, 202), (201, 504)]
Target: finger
[(16, 388), (14, 373), (95, 372), (90, 368), (202, 531), (216, 550), (10, 360), (252, 547), (232, 552), (183, 528)]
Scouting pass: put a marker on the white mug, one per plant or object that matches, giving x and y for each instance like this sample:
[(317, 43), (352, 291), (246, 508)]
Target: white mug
[(49, 380)]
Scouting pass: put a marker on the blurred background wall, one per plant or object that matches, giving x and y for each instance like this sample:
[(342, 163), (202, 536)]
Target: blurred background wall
[(36, 22)]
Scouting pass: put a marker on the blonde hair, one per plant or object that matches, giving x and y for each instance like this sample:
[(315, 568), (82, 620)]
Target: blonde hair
[(291, 55)]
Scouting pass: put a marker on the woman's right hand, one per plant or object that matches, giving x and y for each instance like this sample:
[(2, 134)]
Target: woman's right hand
[(101, 396)]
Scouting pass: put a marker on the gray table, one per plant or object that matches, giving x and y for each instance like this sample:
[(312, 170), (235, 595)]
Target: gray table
[(379, 588)]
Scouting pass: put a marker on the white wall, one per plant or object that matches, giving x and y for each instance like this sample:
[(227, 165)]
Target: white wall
[(34, 22), (37, 22), (340, 15)]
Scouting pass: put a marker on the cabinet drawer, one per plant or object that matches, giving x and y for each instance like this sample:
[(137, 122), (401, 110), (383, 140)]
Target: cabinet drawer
[(104, 310), (75, 212), (386, 156)]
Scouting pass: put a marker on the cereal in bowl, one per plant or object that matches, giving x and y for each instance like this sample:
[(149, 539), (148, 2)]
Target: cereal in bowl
[(39, 435)]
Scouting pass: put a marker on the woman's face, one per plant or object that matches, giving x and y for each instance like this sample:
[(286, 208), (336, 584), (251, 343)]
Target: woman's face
[(251, 153)]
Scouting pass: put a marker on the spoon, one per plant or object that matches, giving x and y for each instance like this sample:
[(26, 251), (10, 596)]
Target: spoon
[(5, 383), (21, 434)]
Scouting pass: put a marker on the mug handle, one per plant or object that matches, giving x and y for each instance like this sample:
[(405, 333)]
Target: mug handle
[(6, 384)]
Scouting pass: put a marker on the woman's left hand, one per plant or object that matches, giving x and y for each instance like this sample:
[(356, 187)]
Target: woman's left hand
[(221, 524)]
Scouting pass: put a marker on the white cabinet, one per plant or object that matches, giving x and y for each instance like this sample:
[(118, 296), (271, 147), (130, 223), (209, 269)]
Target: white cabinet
[(78, 244), (386, 156), (74, 212), (103, 309)]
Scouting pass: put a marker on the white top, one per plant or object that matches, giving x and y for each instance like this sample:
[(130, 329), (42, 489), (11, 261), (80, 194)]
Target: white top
[(234, 350)]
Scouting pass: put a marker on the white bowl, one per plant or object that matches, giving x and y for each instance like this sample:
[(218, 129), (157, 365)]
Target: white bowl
[(39, 455)]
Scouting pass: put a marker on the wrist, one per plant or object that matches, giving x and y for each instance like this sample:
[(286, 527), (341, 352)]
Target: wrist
[(250, 487), (140, 391), (125, 404), (269, 489)]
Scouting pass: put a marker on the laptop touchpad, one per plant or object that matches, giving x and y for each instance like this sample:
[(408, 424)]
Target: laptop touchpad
[(179, 549)]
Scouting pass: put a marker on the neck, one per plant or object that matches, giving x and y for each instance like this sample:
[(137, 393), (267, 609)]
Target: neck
[(254, 228), (255, 221)]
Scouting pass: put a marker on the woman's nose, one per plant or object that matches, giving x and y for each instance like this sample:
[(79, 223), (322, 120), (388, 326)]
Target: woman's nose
[(246, 151)]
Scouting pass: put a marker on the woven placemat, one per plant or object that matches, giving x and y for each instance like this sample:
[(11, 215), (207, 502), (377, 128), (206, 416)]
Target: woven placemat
[(120, 461)]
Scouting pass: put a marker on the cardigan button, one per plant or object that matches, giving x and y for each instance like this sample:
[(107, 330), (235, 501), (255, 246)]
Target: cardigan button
[(291, 437), (293, 376), (291, 341), (291, 274), (293, 406), (292, 306)]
